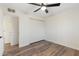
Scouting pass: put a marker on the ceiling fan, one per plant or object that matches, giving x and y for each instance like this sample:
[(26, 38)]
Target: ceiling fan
[(44, 6)]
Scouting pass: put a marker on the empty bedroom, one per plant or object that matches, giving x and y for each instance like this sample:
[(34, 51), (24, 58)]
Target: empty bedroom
[(39, 29)]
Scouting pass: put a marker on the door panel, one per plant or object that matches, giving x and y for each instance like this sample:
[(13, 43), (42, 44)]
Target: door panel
[(11, 29)]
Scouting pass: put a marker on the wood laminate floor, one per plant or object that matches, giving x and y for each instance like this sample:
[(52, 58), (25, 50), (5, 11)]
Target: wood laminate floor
[(40, 48)]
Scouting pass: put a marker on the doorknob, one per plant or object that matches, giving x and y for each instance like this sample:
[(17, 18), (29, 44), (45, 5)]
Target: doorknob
[(0, 36)]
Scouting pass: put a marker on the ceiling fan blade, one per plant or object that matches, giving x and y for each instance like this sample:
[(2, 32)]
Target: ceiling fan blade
[(37, 9), (52, 5), (34, 4), (46, 10)]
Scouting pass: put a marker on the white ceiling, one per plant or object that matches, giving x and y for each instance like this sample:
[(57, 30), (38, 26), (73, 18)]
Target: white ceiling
[(28, 9)]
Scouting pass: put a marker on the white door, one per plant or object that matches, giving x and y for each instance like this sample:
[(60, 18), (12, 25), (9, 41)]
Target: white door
[(11, 29), (1, 33)]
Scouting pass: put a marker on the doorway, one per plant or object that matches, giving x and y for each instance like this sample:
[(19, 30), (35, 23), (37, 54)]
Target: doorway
[(11, 32)]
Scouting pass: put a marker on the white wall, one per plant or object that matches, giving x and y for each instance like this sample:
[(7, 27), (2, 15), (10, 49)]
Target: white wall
[(63, 28), (37, 31), (30, 30), (11, 29)]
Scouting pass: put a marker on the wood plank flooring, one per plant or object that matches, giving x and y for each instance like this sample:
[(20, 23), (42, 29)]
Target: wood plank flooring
[(40, 48)]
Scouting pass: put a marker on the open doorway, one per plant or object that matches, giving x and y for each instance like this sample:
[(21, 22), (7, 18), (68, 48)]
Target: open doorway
[(11, 33)]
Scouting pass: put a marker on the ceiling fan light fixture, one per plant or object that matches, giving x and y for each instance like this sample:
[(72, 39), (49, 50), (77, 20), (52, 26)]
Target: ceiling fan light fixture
[(43, 8)]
